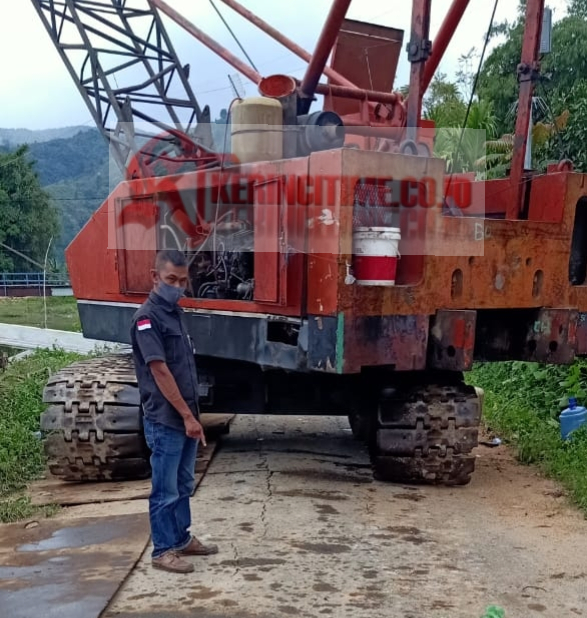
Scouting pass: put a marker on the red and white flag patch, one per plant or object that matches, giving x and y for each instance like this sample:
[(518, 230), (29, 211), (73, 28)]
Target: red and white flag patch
[(144, 324)]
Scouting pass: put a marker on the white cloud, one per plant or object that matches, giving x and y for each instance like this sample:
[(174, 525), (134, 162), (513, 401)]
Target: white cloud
[(39, 93)]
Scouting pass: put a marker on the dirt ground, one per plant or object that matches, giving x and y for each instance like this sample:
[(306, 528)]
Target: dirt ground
[(304, 530)]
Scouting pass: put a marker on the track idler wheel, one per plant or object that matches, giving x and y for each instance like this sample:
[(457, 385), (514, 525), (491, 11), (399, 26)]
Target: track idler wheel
[(426, 434)]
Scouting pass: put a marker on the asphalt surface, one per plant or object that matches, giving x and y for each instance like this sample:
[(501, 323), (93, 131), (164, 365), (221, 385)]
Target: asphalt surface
[(304, 530)]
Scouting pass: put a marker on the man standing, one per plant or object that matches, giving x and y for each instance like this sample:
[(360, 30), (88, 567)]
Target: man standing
[(168, 385)]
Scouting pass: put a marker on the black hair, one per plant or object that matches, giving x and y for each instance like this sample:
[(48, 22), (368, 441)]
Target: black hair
[(171, 256)]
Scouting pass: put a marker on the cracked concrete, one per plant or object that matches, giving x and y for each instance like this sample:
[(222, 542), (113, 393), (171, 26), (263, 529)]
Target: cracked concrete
[(304, 530)]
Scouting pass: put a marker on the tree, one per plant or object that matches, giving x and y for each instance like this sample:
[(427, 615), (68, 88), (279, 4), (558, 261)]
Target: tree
[(578, 8), (562, 68), (28, 220), (444, 103)]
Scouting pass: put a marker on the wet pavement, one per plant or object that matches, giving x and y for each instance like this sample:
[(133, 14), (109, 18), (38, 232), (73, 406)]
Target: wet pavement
[(59, 569), (304, 530)]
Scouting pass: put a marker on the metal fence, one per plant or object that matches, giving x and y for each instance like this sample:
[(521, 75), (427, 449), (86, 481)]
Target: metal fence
[(36, 281)]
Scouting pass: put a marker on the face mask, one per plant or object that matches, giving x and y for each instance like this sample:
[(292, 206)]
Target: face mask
[(170, 293)]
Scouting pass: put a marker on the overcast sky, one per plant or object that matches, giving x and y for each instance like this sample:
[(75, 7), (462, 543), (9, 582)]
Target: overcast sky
[(37, 91)]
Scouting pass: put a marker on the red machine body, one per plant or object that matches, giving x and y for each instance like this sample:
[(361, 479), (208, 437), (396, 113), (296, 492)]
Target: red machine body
[(485, 270)]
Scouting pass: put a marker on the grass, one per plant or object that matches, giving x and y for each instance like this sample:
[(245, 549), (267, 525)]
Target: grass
[(61, 312), (21, 452), (523, 402)]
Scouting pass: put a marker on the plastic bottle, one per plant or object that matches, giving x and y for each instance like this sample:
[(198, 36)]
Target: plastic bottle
[(572, 418)]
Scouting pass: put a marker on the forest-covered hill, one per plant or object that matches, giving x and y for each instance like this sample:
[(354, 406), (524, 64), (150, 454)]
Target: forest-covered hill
[(74, 168), (75, 172)]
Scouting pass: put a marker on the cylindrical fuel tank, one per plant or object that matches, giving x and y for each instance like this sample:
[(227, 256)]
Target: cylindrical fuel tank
[(257, 130)]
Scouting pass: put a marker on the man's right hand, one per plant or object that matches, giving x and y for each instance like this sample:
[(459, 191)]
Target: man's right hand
[(194, 429)]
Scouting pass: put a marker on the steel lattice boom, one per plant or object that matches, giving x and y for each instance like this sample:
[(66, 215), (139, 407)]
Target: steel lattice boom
[(126, 69)]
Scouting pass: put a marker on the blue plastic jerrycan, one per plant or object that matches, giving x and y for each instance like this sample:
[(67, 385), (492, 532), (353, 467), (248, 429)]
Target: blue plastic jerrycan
[(572, 418)]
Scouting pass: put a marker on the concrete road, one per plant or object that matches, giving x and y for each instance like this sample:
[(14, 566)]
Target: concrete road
[(305, 531)]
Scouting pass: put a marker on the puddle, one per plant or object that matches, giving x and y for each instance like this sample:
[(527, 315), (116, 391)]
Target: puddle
[(74, 537)]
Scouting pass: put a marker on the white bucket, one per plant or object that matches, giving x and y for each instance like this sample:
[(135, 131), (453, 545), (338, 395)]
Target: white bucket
[(375, 255)]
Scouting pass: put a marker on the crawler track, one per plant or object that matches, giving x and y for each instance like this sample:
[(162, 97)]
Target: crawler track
[(426, 434), (93, 423)]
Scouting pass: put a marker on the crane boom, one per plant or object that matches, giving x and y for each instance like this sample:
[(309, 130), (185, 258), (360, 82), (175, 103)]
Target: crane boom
[(126, 69)]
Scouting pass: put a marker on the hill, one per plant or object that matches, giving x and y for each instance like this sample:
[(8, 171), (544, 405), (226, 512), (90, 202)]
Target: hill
[(16, 137), (73, 168)]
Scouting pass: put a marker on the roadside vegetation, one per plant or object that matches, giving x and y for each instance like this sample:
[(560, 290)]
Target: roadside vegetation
[(522, 405), (30, 311), (21, 452)]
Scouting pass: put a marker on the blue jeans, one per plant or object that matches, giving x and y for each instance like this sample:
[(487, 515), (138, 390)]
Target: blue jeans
[(173, 462)]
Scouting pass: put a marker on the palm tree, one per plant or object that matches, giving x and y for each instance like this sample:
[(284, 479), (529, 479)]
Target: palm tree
[(499, 152), (463, 147)]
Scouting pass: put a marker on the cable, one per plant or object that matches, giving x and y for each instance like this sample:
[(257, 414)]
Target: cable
[(233, 35), (473, 90)]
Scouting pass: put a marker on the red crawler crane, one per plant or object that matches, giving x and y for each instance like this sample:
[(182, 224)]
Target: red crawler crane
[(299, 303)]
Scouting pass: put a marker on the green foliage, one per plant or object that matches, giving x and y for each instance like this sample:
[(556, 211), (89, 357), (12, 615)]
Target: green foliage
[(562, 69), (572, 141), (494, 612), (28, 220), (70, 158), (62, 313), (523, 403), (19, 508), (77, 199), (444, 103), (76, 174), (21, 453), (577, 8)]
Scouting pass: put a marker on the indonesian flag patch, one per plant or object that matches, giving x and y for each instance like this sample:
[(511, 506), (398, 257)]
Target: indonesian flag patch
[(144, 324)]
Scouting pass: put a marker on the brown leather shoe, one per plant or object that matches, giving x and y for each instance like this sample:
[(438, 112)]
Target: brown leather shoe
[(170, 561), (195, 548)]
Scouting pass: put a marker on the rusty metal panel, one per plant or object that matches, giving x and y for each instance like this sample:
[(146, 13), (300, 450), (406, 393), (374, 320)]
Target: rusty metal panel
[(137, 243), (324, 226), (547, 198), (399, 341), (552, 338), (581, 349), (267, 229), (452, 340), (367, 55)]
